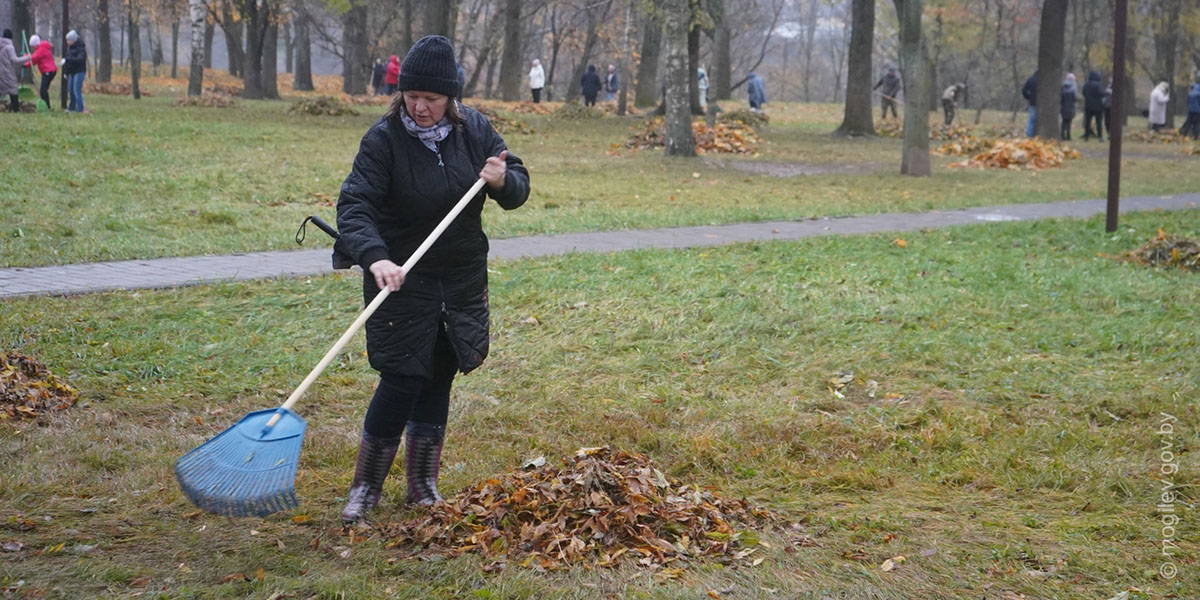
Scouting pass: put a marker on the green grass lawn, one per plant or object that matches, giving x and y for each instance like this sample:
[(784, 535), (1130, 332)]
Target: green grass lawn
[(999, 428), (143, 179)]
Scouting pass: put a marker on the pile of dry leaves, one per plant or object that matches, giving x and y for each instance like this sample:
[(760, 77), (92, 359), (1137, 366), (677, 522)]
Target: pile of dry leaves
[(321, 105), (225, 89), (601, 508), (505, 125), (111, 89), (366, 100), (725, 137), (1033, 154), (745, 116), (1162, 136), (28, 389), (1167, 251), (572, 111), (207, 99)]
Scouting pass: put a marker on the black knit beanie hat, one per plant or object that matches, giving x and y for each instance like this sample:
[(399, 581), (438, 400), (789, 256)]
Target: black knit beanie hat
[(430, 67), (8, 34)]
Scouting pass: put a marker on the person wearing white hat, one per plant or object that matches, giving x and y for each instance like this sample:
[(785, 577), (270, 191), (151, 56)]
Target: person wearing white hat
[(75, 70), (43, 59)]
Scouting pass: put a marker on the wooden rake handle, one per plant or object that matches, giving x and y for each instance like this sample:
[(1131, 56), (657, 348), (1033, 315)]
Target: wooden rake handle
[(370, 309)]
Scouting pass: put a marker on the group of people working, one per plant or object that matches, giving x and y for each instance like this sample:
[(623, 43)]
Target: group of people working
[(40, 55)]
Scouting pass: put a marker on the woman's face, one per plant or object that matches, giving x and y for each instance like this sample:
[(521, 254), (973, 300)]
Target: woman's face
[(426, 108)]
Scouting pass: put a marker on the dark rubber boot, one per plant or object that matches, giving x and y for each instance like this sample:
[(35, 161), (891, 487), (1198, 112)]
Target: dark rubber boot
[(423, 444), (375, 456)]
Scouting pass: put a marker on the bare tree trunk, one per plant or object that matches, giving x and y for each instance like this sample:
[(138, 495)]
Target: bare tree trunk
[(810, 32), (156, 51), (210, 31), (257, 18), (679, 140), (355, 63), (104, 33), (270, 61), (302, 79), (175, 47), (511, 63), (198, 16), (693, 60), (441, 17), (1166, 46), (135, 51), (289, 46), (913, 66), (1051, 38), (723, 78), (233, 39), (647, 70), (857, 120), (485, 60), (406, 34)]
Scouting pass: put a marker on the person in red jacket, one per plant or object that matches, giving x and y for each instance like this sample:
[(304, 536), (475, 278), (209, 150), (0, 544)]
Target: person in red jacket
[(392, 79), (43, 59)]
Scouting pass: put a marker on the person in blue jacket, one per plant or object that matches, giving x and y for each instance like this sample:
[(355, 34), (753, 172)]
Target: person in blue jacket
[(1192, 123), (757, 91)]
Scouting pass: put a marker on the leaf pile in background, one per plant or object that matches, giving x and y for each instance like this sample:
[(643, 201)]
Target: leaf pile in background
[(745, 116), (722, 138), (894, 128), (225, 89), (111, 89), (1167, 251), (505, 125), (207, 99), (601, 508), (28, 388), (1033, 154), (521, 108), (365, 100), (573, 111), (1162, 136), (321, 105)]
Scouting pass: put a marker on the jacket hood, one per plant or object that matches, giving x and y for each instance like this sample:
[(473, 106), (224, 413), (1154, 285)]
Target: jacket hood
[(394, 59), (1069, 87), (591, 68), (1093, 76)]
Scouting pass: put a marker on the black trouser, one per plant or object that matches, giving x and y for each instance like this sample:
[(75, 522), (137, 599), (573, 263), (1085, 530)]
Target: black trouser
[(885, 103), (1192, 124), (948, 107), (589, 100), (1156, 126), (537, 95), (14, 103), (1088, 117), (403, 398), (44, 92), (1066, 126)]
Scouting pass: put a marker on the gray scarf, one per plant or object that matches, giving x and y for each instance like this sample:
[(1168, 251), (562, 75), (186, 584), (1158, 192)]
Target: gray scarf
[(429, 136)]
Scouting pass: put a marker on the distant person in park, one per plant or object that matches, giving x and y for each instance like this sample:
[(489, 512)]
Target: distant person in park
[(412, 166), (1192, 124), (1159, 97), (590, 86), (1029, 92), (702, 85), (1070, 95), (1093, 106), (950, 100), (611, 83), (43, 59), (378, 73), (391, 77), (75, 70), (9, 63), (1108, 108), (537, 80), (891, 89), (757, 91)]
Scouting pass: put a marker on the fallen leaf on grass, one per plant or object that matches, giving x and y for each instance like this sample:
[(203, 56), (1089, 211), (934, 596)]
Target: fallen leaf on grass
[(12, 546), (892, 563), (301, 519), (236, 577)]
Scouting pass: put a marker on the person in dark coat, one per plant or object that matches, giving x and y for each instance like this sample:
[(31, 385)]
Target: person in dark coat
[(10, 61), (1070, 95), (378, 72), (412, 166), (756, 90), (590, 85), (891, 89), (75, 70), (1029, 92), (1192, 123), (1093, 106)]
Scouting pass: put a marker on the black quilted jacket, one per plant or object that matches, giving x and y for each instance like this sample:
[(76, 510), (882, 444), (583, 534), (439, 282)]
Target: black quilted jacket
[(396, 193)]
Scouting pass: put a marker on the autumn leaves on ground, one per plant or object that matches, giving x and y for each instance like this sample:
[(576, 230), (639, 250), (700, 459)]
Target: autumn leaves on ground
[(975, 412)]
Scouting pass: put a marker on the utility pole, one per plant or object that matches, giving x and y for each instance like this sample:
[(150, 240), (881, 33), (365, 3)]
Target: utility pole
[(1116, 116)]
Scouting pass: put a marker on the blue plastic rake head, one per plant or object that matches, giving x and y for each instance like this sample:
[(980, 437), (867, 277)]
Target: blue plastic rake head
[(246, 470)]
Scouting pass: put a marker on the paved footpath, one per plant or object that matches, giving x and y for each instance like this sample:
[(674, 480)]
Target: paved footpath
[(193, 270)]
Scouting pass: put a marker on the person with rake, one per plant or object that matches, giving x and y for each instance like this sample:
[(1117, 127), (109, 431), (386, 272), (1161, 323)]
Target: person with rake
[(411, 168)]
